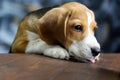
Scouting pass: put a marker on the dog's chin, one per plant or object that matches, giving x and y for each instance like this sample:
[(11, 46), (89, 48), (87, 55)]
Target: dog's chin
[(85, 60)]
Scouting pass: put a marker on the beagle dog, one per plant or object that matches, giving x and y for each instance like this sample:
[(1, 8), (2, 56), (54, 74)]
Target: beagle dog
[(59, 32)]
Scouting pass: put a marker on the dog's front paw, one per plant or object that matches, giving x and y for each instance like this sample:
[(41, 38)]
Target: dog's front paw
[(56, 52)]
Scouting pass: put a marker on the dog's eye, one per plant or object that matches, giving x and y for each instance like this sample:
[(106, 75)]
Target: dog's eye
[(78, 28)]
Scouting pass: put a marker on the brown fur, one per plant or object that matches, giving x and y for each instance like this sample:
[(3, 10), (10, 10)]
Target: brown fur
[(28, 23), (54, 26)]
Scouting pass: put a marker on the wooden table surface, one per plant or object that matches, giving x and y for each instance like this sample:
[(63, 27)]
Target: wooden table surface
[(37, 67)]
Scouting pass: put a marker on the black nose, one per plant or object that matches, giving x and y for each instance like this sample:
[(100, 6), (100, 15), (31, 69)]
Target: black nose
[(95, 51)]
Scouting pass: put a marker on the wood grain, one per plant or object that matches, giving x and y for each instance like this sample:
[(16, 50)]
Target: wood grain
[(38, 67)]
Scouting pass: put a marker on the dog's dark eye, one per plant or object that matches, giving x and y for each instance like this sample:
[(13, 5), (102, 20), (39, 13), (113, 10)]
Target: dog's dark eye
[(78, 28)]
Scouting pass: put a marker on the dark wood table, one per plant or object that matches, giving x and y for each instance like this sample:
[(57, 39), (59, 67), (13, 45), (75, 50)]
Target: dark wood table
[(37, 67)]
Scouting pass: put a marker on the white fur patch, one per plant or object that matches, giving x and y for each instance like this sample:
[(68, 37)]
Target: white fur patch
[(89, 16), (90, 39), (80, 49), (57, 52), (36, 45)]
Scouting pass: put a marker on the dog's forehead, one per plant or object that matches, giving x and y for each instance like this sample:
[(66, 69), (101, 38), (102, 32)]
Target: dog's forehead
[(80, 12), (84, 16)]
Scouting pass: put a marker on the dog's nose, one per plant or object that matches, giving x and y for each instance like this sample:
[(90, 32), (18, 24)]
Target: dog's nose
[(95, 51)]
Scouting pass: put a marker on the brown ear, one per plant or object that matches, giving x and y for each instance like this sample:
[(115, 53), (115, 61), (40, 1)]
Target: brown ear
[(52, 26)]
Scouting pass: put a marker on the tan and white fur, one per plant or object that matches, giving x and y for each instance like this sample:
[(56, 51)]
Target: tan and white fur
[(60, 32)]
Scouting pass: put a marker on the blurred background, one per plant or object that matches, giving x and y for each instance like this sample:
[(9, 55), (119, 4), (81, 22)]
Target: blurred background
[(107, 14)]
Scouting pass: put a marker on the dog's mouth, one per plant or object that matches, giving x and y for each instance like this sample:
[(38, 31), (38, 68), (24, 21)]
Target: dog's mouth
[(84, 60)]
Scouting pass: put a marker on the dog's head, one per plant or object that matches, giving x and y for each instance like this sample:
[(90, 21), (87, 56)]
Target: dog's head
[(72, 25)]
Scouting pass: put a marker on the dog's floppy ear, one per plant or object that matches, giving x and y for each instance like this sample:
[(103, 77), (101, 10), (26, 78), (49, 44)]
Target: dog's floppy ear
[(52, 26)]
